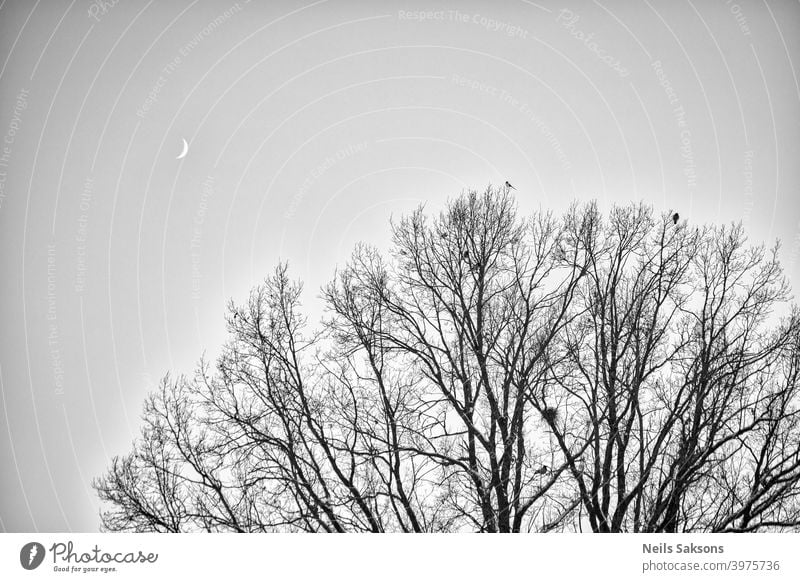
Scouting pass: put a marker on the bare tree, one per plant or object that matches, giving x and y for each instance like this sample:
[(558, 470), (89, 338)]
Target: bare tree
[(493, 374)]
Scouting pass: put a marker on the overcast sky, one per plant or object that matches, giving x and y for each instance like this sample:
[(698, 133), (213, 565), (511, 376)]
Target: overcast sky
[(309, 124)]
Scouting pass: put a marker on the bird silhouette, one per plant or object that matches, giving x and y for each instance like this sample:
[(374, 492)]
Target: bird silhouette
[(675, 218), (542, 470), (508, 185)]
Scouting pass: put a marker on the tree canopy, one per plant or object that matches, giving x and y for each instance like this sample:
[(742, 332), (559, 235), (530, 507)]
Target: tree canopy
[(493, 373)]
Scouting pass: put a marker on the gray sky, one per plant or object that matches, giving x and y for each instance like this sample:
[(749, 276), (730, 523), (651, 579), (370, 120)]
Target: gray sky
[(309, 125)]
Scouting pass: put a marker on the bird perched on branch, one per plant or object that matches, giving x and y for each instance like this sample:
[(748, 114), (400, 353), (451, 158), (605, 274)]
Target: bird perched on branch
[(541, 470), (508, 185), (675, 218)]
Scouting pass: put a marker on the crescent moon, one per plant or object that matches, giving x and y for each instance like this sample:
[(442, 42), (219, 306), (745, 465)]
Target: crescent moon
[(184, 152)]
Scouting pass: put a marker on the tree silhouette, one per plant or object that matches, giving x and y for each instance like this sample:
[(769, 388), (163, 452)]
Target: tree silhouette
[(493, 374)]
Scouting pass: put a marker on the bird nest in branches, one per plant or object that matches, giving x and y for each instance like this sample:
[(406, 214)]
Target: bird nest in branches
[(550, 414)]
